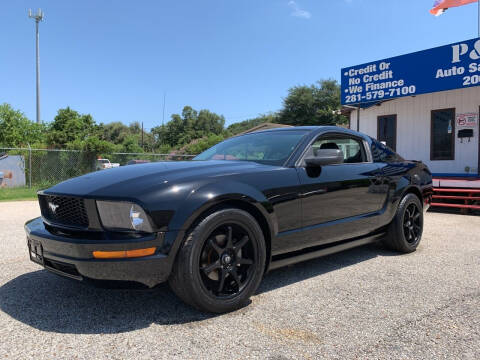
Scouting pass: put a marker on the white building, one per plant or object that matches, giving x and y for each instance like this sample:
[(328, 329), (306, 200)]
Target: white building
[(425, 105), (441, 129)]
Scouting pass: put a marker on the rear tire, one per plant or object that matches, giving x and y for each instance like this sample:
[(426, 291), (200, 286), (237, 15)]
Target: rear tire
[(405, 231), (221, 263)]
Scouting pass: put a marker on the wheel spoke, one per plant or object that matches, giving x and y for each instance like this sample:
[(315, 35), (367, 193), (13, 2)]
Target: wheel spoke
[(235, 276), (407, 213), (416, 216), (209, 268), (243, 261), (412, 235), (229, 238), (241, 243), (223, 274), (215, 246)]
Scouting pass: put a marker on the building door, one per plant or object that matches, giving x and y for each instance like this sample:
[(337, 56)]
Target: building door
[(387, 130)]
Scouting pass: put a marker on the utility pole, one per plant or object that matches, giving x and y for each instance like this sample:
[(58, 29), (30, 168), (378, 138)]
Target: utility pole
[(142, 135), (163, 118), (37, 17)]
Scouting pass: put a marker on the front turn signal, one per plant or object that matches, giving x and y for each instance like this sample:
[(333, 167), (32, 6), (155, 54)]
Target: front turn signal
[(124, 254)]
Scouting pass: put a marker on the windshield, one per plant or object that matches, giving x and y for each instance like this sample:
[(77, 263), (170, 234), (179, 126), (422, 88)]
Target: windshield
[(271, 148)]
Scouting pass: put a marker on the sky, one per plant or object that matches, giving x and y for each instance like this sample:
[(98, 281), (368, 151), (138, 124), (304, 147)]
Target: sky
[(116, 59)]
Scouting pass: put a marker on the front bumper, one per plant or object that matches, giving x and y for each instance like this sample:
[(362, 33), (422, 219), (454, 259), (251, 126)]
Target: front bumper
[(73, 257)]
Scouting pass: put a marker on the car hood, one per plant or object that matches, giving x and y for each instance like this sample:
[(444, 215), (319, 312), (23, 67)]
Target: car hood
[(128, 181)]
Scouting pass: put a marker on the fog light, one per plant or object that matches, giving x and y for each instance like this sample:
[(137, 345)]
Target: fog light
[(124, 254)]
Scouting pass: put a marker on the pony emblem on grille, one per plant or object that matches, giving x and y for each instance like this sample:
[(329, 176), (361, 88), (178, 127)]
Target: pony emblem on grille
[(53, 207)]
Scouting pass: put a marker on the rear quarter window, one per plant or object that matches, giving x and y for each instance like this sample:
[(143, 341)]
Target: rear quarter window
[(382, 153)]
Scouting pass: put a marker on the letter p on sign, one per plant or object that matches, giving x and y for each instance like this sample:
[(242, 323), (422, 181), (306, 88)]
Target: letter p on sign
[(458, 50)]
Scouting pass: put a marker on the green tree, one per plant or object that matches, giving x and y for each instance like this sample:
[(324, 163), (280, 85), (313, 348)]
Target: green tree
[(75, 131), (178, 130), (316, 104), (159, 134), (130, 144), (128, 136), (182, 129), (245, 125), (18, 131), (70, 126), (93, 144), (196, 147), (115, 132), (135, 128), (208, 123)]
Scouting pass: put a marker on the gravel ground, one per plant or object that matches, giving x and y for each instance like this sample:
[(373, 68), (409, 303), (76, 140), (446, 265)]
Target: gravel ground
[(366, 303)]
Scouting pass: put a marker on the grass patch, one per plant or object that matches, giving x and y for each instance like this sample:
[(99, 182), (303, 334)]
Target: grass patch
[(18, 193)]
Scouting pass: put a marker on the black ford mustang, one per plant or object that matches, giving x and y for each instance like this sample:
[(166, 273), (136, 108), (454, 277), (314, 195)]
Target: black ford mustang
[(213, 226)]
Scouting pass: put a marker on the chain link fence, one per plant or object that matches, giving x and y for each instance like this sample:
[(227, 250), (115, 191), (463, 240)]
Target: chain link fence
[(43, 168)]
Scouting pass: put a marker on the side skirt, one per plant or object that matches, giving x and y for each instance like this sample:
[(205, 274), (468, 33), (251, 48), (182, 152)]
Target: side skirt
[(315, 252)]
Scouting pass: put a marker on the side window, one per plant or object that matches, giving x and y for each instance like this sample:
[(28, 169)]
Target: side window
[(382, 153), (353, 151)]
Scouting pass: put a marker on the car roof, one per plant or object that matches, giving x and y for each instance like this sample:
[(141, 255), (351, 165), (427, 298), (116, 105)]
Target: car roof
[(290, 128), (316, 129)]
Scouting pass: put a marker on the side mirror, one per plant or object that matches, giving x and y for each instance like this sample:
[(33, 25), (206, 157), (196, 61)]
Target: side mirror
[(325, 157)]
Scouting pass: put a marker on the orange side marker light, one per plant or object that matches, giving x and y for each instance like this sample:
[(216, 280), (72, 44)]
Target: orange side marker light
[(124, 254)]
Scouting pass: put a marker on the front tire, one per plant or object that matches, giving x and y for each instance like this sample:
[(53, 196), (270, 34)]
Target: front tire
[(221, 262), (405, 231)]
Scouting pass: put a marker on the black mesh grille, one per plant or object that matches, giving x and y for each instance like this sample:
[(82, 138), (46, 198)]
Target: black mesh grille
[(64, 210)]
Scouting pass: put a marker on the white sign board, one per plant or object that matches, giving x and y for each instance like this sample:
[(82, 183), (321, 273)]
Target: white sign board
[(467, 120)]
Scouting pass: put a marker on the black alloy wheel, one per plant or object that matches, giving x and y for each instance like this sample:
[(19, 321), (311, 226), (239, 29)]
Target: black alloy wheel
[(227, 260), (411, 223), (405, 231), (221, 263)]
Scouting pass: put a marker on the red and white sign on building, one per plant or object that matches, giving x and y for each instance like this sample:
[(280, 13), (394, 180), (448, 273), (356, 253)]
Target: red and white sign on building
[(467, 120)]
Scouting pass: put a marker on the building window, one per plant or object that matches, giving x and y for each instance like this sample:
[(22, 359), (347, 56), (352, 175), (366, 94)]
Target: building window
[(442, 135), (387, 130)]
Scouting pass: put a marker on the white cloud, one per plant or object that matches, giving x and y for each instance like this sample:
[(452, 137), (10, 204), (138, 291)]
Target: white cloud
[(297, 12)]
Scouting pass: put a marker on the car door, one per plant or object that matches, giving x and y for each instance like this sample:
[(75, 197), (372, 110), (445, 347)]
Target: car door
[(340, 201)]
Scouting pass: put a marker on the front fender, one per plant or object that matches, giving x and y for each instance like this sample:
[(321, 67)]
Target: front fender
[(212, 194), (208, 196)]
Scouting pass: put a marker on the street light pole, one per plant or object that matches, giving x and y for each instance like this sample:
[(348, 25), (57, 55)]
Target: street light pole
[(37, 17)]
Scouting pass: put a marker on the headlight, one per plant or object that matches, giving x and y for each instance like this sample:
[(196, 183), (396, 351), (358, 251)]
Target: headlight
[(119, 215)]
